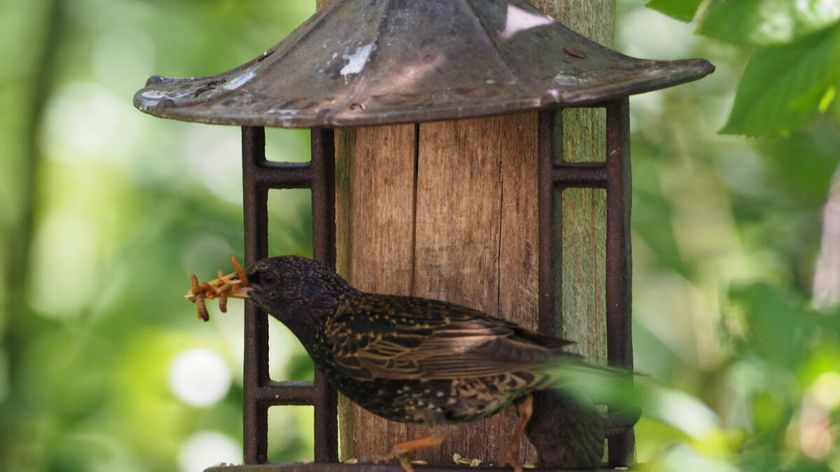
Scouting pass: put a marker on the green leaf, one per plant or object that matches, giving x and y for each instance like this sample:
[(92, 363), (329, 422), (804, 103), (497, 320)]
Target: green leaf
[(800, 167), (767, 22), (683, 10), (774, 326), (834, 111), (783, 86)]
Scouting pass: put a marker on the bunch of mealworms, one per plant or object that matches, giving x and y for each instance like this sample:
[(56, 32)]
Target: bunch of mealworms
[(219, 288)]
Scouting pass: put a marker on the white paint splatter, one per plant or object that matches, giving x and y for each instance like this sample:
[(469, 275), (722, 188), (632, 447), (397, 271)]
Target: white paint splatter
[(519, 20), (240, 80), (282, 111), (356, 61), (154, 94), (150, 99), (563, 79)]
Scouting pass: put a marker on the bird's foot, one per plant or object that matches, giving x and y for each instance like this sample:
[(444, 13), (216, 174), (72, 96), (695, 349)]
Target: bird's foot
[(405, 463), (400, 450), (512, 459), (222, 287), (525, 408), (381, 458)]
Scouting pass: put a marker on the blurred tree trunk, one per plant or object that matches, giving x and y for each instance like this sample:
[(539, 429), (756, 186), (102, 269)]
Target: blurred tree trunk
[(19, 436), (449, 210), (825, 288)]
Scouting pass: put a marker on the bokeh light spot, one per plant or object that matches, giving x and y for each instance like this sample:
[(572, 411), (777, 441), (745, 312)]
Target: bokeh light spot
[(64, 244), (826, 390), (199, 377), (208, 448), (212, 155)]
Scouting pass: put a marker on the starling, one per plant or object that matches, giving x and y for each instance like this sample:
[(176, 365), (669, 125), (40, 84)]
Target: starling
[(570, 432), (406, 359)]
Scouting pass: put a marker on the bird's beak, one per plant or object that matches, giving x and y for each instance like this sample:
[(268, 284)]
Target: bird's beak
[(238, 291), (229, 286), (234, 285)]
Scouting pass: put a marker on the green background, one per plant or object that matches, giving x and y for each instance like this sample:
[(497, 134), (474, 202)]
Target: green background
[(104, 211)]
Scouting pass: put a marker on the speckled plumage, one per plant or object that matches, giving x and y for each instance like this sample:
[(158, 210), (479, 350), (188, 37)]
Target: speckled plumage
[(424, 361), (406, 359)]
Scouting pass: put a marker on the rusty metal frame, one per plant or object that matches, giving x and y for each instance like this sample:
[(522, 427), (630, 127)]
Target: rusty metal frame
[(612, 175), (261, 175)]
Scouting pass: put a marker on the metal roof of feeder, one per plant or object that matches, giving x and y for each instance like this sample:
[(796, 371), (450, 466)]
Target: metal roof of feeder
[(369, 62)]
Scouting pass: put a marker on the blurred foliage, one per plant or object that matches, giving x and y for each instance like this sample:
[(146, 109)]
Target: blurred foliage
[(773, 377), (104, 211), (794, 71)]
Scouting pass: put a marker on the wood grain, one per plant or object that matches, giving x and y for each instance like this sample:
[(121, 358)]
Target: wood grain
[(375, 208), (455, 221), (581, 216), (476, 188), (448, 210)]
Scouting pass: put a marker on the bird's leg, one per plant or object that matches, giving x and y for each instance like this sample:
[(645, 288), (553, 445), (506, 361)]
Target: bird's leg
[(401, 450), (525, 408)]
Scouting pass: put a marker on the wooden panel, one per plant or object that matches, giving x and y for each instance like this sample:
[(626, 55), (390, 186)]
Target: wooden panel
[(476, 238), (457, 220), (594, 19), (581, 215), (519, 249), (468, 235), (375, 208), (582, 219), (382, 202)]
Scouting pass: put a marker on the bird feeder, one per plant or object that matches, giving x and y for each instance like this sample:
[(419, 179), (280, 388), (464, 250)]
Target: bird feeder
[(370, 63)]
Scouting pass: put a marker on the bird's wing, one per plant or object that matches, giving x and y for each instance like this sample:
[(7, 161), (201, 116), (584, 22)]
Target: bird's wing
[(384, 337)]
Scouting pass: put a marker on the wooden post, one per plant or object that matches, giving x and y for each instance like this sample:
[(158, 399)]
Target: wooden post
[(449, 210), (581, 217)]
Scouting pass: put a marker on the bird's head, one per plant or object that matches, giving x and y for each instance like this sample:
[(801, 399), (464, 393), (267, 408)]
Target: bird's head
[(298, 291), (288, 286)]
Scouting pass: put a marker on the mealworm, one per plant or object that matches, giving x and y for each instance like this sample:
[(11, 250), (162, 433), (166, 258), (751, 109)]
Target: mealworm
[(195, 287), (243, 276), (223, 302), (201, 307)]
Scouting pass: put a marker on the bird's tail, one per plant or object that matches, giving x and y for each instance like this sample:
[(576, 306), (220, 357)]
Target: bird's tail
[(598, 384)]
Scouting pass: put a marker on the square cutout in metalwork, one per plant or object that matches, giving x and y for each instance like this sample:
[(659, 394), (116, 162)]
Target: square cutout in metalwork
[(290, 222), (586, 129), (287, 145), (583, 252), (287, 359), (290, 434)]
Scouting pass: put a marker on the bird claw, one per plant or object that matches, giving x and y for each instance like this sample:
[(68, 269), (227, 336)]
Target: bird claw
[(404, 459), (233, 285), (511, 458), (517, 467), (405, 463)]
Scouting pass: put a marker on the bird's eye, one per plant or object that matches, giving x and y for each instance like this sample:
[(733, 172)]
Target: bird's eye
[(267, 278)]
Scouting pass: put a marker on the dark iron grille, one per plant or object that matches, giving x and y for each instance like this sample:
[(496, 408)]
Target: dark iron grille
[(613, 175), (260, 175)]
